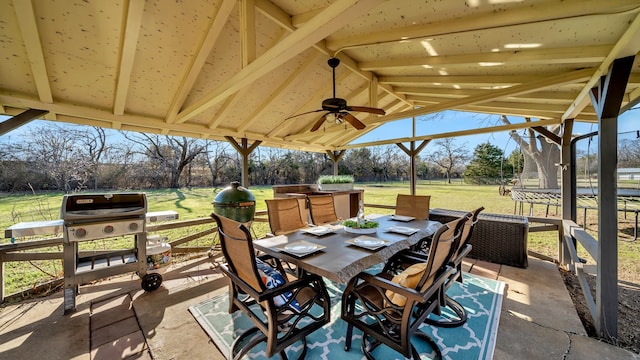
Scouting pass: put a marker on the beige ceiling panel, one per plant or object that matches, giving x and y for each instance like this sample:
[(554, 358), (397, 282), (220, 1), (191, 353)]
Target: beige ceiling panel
[(166, 47), (81, 57), (224, 61), (15, 71)]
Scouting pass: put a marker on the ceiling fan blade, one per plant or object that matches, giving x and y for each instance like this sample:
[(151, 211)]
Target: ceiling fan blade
[(353, 121), (366, 109), (318, 123), (304, 113)]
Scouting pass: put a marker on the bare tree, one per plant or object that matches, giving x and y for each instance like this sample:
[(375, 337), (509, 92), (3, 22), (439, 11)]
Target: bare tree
[(216, 157), (629, 153), (448, 156), (171, 154), (544, 153), (68, 156)]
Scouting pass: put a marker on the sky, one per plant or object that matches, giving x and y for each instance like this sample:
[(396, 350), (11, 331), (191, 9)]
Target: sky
[(447, 121)]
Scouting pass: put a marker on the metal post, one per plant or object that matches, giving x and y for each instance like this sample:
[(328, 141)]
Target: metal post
[(607, 97), (567, 187)]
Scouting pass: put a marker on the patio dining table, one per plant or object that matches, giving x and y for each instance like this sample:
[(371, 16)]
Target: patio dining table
[(339, 258)]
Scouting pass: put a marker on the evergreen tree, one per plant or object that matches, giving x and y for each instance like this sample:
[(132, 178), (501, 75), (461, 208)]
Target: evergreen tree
[(485, 166)]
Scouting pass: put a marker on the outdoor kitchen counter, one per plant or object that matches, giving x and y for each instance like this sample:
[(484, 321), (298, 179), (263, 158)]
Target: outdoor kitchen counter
[(346, 202)]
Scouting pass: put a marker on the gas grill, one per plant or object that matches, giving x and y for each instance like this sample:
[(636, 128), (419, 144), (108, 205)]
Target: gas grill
[(103, 216)]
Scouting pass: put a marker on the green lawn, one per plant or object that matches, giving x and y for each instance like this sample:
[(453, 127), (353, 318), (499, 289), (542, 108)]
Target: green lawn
[(197, 203)]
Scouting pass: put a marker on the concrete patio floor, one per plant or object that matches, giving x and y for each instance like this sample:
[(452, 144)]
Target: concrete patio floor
[(115, 319)]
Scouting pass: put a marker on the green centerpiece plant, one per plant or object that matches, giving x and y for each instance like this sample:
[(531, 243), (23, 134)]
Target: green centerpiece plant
[(368, 224)]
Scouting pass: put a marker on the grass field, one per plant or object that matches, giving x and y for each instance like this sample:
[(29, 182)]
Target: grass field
[(197, 203)]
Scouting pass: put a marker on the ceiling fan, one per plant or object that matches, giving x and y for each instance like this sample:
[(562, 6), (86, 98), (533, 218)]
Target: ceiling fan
[(338, 109)]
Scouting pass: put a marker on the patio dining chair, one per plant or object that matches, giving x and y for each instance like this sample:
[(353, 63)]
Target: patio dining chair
[(323, 210), (413, 205), (284, 311), (284, 215), (463, 249), (389, 310)]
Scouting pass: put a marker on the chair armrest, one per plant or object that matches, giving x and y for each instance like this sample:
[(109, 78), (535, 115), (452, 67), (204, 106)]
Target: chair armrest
[(238, 281), (466, 249), (413, 256), (269, 293), (390, 285), (288, 287), (439, 282)]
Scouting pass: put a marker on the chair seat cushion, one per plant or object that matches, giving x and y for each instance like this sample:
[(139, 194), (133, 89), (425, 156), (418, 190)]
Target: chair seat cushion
[(408, 278), (271, 278)]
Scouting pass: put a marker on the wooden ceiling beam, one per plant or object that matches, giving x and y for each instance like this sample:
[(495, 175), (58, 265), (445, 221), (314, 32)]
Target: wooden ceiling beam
[(534, 13), (490, 95), (303, 38), (29, 31), (505, 111), (493, 80), (205, 47), (513, 106), (275, 95), (544, 97), (248, 31), (627, 45), (128, 47), (229, 103), (20, 119), (580, 55), (481, 130), (634, 99), (288, 22)]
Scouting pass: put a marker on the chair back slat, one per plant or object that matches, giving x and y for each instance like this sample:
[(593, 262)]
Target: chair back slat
[(322, 208), (413, 205), (237, 248), (443, 246), (284, 215), (467, 231)]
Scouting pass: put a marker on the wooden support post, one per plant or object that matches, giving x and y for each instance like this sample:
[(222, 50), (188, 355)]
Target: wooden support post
[(413, 152), (245, 150), (607, 98), (335, 156)]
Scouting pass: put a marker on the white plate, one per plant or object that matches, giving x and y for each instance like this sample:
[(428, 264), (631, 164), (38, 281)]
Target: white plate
[(402, 218), (368, 242), (404, 230), (301, 248), (319, 230)]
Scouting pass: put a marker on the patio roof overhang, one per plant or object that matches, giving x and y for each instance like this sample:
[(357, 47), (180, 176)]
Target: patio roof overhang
[(223, 69)]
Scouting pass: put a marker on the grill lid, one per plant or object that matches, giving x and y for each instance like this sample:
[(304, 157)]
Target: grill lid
[(92, 206), (235, 202)]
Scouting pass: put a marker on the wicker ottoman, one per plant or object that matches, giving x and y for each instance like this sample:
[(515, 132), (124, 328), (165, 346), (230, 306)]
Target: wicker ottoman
[(496, 238)]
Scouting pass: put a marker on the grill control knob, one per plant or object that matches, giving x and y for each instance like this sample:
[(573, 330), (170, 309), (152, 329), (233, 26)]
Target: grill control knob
[(133, 226), (107, 229), (80, 232)]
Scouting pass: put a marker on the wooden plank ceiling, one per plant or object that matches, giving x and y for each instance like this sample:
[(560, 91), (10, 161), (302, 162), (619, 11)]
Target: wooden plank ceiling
[(240, 68)]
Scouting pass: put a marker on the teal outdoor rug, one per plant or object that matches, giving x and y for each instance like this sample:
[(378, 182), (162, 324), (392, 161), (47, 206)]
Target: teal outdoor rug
[(481, 297)]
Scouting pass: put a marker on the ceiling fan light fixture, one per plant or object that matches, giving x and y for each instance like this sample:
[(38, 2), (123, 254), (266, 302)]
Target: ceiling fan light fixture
[(337, 110)]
